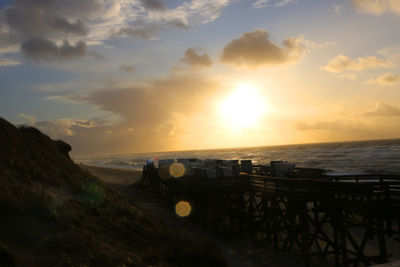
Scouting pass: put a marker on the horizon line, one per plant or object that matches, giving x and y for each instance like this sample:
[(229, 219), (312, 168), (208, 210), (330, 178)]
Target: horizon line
[(243, 147)]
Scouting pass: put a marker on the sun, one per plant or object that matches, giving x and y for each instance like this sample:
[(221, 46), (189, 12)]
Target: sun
[(244, 107)]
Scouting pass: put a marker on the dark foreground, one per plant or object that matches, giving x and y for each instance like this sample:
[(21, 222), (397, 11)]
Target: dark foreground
[(352, 219), (54, 213), (239, 249)]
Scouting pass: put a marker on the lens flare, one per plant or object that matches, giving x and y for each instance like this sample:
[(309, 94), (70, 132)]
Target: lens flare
[(177, 169), (183, 208)]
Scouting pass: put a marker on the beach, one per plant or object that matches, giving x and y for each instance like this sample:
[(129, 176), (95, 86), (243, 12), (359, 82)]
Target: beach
[(363, 157), (117, 177)]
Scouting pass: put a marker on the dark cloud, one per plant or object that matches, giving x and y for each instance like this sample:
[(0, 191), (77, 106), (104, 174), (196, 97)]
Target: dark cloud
[(383, 110), (68, 8), (62, 24), (193, 59), (254, 49), (38, 22), (36, 26), (42, 49), (22, 22), (127, 68), (179, 23), (153, 4), (57, 20)]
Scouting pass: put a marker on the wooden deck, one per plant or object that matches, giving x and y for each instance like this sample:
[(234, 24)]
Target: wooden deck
[(343, 216)]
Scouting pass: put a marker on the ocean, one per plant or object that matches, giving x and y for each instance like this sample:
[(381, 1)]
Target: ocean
[(380, 156)]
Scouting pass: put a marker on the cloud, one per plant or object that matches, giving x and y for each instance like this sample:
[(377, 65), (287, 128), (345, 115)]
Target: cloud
[(143, 32), (59, 128), (56, 128), (94, 21), (91, 136), (387, 79), (6, 62), (62, 128), (42, 49), (320, 125), (285, 2), (68, 8), (154, 102), (342, 63), (254, 49), (337, 9), (94, 54), (8, 43), (36, 26), (153, 4), (189, 12), (391, 53), (154, 110), (209, 10), (127, 68), (31, 120), (383, 110), (196, 60), (178, 18), (377, 7), (62, 24), (347, 76), (267, 3), (261, 3), (350, 128), (41, 20)]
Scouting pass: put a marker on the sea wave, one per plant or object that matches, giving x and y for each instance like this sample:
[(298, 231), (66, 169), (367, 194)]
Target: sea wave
[(349, 157)]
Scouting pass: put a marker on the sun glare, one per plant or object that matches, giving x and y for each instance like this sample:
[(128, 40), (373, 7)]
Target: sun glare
[(244, 107)]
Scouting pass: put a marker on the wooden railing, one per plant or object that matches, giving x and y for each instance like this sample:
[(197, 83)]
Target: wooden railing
[(319, 215)]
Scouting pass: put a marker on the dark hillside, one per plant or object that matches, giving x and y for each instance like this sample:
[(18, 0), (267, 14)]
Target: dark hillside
[(53, 213)]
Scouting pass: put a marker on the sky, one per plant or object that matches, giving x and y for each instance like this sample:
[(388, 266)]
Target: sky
[(129, 76)]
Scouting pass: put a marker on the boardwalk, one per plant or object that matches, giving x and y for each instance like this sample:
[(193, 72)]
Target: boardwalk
[(348, 217)]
